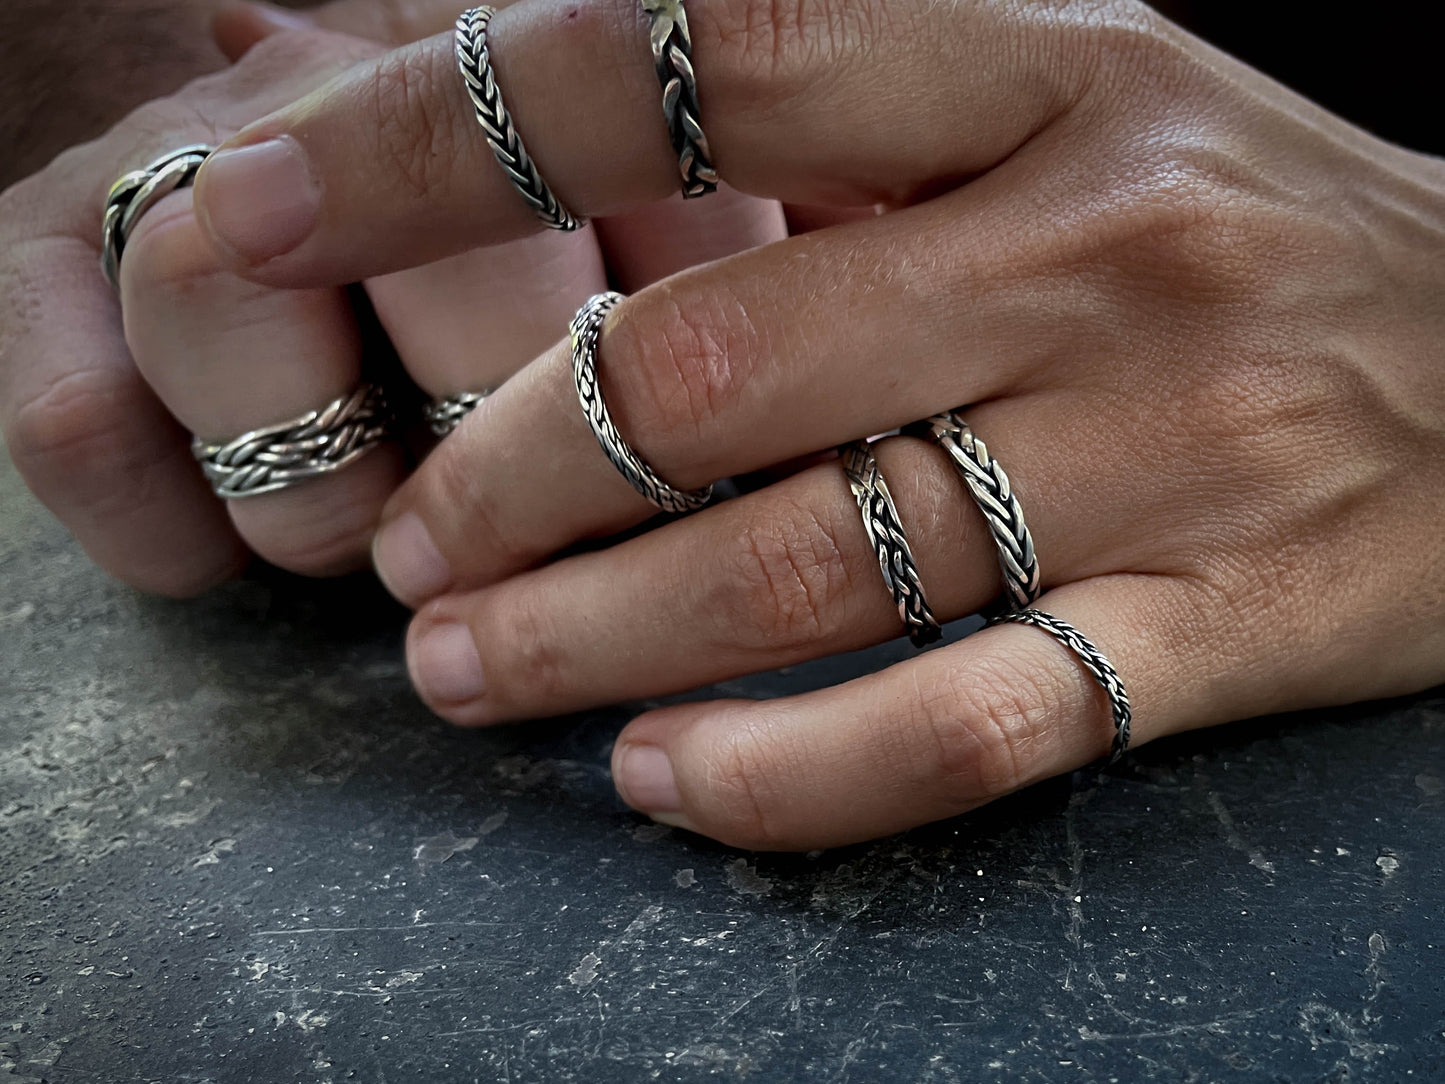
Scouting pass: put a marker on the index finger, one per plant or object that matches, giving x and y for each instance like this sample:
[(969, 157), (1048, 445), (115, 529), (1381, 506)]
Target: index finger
[(847, 102)]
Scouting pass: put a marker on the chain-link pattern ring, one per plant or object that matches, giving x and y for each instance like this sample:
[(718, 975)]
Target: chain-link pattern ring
[(279, 456), (885, 534), (989, 486), (586, 330), (476, 65), (1093, 661)]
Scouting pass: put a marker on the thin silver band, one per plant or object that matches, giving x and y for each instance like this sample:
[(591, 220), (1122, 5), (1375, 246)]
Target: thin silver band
[(672, 56), (885, 534), (445, 414), (991, 491), (279, 456), (1093, 660), (586, 330), (476, 66), (136, 193)]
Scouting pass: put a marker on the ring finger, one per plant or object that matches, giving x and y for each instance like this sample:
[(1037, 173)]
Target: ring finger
[(775, 578)]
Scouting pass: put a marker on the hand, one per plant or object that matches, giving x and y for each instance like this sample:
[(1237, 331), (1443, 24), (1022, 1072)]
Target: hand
[(1198, 319), (91, 420)]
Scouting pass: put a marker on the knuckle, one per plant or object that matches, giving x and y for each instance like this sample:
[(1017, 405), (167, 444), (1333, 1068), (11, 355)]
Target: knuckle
[(414, 123), (981, 728), (688, 360), (741, 808), (775, 39), (74, 426), (783, 583), (531, 665)]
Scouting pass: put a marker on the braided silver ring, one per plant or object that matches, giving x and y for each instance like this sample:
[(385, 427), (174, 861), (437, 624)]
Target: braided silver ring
[(672, 57), (445, 414), (586, 329), (476, 65), (885, 534), (989, 486), (279, 456), (136, 193), (1093, 660)]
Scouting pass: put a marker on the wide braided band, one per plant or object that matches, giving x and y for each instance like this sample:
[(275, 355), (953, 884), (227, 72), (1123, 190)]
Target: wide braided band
[(136, 193), (885, 534), (476, 66), (990, 489), (445, 414), (672, 56), (586, 329), (278, 456), (1093, 661)]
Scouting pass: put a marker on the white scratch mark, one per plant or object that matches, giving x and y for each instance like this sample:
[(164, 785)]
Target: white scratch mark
[(586, 971), (685, 878), (1234, 839)]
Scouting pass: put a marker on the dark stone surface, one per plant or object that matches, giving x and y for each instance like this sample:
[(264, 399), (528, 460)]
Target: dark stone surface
[(234, 848)]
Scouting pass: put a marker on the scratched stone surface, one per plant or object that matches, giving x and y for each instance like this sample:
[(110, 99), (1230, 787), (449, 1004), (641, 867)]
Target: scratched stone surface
[(234, 848)]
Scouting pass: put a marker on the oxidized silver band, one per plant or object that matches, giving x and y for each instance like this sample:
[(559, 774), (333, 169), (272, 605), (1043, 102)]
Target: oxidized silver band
[(278, 456), (885, 533), (1094, 662), (672, 56), (492, 115), (586, 330), (136, 193), (990, 488), (446, 413)]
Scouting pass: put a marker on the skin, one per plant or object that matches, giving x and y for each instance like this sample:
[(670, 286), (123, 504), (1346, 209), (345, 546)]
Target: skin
[(1197, 318), (97, 412)]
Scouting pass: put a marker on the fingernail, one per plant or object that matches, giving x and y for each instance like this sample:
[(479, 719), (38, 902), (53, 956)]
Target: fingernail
[(643, 775), (408, 561), (445, 666), (259, 201)]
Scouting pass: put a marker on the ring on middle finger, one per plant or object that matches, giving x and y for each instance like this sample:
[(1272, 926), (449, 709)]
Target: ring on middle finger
[(672, 57), (586, 331), (890, 543), (991, 491)]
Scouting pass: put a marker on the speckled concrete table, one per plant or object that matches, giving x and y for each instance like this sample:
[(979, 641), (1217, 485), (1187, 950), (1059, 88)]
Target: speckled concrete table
[(234, 848)]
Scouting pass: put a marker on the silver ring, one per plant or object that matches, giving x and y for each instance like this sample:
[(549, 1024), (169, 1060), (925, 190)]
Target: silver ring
[(136, 193), (476, 65), (885, 534), (989, 486), (279, 456), (1094, 662), (586, 330), (445, 414), (672, 56)]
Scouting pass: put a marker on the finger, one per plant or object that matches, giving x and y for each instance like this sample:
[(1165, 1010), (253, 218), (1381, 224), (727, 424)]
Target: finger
[(391, 169), (227, 356), (734, 367), (239, 24), (89, 437), (775, 578), (935, 736), (467, 323), (648, 244)]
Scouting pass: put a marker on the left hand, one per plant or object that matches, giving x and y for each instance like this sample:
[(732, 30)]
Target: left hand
[(1198, 319)]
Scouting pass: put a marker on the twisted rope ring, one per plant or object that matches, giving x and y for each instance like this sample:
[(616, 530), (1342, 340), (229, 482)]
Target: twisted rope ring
[(672, 57)]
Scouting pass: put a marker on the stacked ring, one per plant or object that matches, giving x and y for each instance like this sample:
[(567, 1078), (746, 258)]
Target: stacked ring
[(889, 542), (672, 57), (586, 330), (476, 66), (989, 486), (136, 193), (279, 456)]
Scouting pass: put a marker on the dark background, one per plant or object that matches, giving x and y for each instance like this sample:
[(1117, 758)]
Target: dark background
[(1377, 64)]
